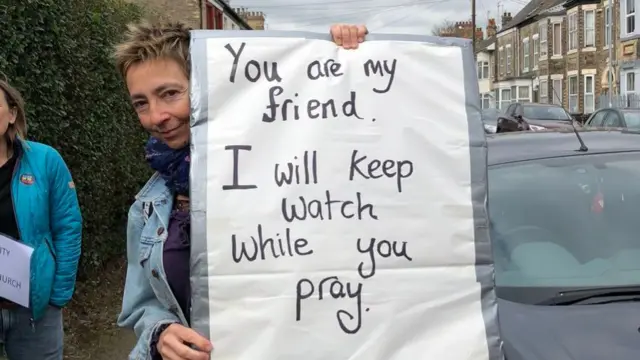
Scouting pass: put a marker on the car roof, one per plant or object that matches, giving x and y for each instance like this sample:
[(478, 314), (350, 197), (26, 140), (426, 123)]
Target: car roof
[(540, 105), (532, 145)]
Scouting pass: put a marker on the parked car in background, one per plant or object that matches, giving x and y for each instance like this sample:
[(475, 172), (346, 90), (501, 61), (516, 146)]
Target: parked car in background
[(615, 118), (490, 120), (529, 116), (564, 233)]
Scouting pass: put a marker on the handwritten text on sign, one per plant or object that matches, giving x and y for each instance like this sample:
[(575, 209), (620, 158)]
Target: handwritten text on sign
[(303, 170), (334, 189)]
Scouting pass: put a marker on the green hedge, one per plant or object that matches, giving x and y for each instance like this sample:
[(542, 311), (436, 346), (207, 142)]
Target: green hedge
[(58, 54)]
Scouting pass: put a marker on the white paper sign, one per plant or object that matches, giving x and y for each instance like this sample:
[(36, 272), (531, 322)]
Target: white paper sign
[(15, 270), (337, 192)]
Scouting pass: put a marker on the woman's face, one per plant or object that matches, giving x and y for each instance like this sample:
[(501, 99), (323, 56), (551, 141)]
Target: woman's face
[(7, 114), (159, 91)]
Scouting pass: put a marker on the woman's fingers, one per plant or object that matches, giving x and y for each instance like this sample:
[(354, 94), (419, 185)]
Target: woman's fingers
[(190, 336), (175, 341), (348, 36)]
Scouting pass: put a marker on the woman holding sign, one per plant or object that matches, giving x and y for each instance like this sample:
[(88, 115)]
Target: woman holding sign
[(40, 215), (154, 63)]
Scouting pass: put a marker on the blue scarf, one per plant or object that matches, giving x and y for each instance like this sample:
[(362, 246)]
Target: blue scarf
[(173, 165)]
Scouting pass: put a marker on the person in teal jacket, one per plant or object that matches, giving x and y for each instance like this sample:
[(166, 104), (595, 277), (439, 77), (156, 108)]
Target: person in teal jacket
[(39, 208)]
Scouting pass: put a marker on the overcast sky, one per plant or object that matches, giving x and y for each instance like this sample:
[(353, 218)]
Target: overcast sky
[(381, 16)]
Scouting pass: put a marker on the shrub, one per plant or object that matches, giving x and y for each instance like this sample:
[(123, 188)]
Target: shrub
[(58, 54)]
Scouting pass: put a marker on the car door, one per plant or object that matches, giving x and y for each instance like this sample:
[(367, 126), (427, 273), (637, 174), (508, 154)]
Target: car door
[(597, 118), (612, 120)]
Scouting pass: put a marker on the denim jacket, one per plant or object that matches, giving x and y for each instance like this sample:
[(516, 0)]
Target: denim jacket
[(148, 301)]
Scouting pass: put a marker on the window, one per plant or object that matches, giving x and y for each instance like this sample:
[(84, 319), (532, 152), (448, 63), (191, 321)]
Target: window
[(509, 59), (630, 17), (536, 48), (543, 194), (589, 28), (597, 119), (548, 113), (573, 94), (608, 25), (542, 31), (483, 69), (557, 39), (486, 101), (505, 98), (525, 55), (572, 41), (556, 92), (523, 94), (589, 94), (501, 60), (631, 83), (543, 90)]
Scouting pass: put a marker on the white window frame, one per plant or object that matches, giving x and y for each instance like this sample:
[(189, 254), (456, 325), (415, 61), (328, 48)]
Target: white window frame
[(589, 31), (536, 51), (589, 98), (501, 60), (573, 98), (483, 70), (524, 99), (629, 83), (556, 94), (486, 97), (628, 17), (504, 104), (572, 32), (525, 55), (557, 52), (608, 24), (509, 51), (543, 44), (543, 92)]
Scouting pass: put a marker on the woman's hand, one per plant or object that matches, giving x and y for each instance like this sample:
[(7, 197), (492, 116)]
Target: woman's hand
[(348, 36), (171, 344)]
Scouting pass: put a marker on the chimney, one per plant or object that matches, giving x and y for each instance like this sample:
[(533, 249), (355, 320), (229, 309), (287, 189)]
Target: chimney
[(492, 28), (479, 34), (506, 17)]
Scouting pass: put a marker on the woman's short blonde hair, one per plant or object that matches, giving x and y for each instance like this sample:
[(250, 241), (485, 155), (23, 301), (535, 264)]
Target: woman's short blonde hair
[(145, 41), (16, 104)]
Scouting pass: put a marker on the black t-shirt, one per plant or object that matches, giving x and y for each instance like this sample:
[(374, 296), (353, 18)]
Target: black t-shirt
[(8, 225)]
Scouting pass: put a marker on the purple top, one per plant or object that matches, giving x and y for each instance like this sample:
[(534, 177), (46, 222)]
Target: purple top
[(176, 257)]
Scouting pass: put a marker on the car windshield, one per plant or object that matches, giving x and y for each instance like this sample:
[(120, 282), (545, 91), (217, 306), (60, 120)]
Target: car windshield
[(632, 118), (566, 222), (545, 113)]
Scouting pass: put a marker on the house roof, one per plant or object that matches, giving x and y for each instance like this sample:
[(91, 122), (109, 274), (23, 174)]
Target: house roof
[(484, 44), (534, 9), (233, 14)]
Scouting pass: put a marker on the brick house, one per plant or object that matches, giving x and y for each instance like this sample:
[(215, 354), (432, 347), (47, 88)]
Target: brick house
[(629, 47), (198, 14), (587, 59), (552, 65), (486, 66), (557, 51)]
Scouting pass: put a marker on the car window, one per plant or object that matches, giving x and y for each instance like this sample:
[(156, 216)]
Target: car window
[(612, 119), (566, 222), (632, 119), (598, 118), (510, 109), (545, 113)]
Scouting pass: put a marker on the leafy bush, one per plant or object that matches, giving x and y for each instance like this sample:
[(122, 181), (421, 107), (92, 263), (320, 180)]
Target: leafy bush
[(58, 54)]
